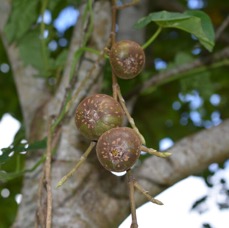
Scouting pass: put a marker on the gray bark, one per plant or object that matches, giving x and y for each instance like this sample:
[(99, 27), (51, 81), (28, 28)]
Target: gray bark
[(126, 20), (190, 156)]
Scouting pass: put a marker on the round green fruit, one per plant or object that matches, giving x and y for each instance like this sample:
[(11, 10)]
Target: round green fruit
[(118, 149), (127, 59), (97, 114)]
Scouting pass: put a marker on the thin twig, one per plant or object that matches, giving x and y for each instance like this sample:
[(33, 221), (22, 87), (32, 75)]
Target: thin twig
[(44, 206), (222, 27), (152, 38), (48, 177), (40, 210), (134, 2), (214, 60), (130, 119), (78, 164), (155, 152), (131, 181), (162, 77), (146, 194), (113, 40)]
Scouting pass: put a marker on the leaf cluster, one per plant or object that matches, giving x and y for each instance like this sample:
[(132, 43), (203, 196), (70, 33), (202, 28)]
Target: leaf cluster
[(34, 36)]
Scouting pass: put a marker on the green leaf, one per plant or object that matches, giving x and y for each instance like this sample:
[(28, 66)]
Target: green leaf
[(4, 176), (182, 58), (7, 176), (198, 81), (24, 13), (208, 39), (162, 18), (61, 59), (195, 22), (9, 101), (37, 145), (33, 54)]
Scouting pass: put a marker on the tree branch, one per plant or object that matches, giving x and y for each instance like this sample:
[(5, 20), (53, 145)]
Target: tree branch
[(190, 156), (171, 74), (222, 27)]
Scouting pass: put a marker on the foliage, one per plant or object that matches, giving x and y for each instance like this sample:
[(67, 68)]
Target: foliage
[(8, 102), (174, 101), (194, 22)]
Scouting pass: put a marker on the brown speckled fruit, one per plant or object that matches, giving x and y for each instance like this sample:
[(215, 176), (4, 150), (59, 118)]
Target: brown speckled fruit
[(97, 114), (118, 149), (127, 59)]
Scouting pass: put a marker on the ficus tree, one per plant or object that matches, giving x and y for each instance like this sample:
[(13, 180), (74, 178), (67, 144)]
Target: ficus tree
[(176, 87)]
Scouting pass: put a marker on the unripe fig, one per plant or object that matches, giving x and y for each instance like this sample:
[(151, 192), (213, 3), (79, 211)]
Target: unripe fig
[(127, 59), (97, 114), (118, 149)]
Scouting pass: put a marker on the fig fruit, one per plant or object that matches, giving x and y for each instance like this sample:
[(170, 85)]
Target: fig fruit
[(127, 59), (118, 149), (98, 113)]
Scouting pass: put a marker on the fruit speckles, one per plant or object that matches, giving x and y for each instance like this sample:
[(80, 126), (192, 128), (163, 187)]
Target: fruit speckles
[(127, 59), (97, 114), (118, 149)]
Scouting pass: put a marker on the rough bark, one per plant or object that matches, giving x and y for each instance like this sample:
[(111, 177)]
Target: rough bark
[(31, 90), (94, 197), (190, 156), (126, 19)]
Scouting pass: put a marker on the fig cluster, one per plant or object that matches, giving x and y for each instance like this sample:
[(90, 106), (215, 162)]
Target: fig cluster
[(100, 117)]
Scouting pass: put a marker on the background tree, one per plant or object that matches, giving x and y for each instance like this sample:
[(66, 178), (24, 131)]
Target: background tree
[(46, 70)]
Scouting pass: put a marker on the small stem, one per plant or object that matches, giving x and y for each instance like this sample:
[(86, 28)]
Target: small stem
[(44, 206), (92, 50), (113, 40), (152, 38), (130, 119), (115, 88), (78, 164), (134, 2), (48, 177), (131, 181), (146, 194), (155, 152), (222, 27)]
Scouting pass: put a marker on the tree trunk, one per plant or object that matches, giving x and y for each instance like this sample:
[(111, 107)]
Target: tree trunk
[(93, 197)]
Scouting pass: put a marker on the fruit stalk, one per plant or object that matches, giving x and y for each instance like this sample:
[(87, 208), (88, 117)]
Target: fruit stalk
[(78, 164), (155, 152), (131, 181)]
